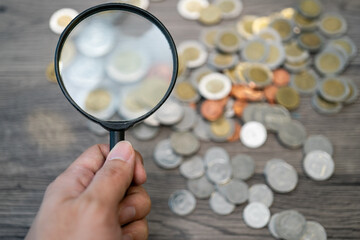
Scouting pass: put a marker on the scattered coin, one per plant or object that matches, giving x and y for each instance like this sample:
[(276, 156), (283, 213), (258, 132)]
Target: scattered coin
[(258, 75), (353, 92), (243, 166), (219, 172), (165, 157), (292, 134), (280, 176), (99, 103), (185, 92), (305, 82), (220, 205), (253, 134), (194, 53), (235, 191), (288, 97), (228, 41), (188, 121), (210, 15), (182, 202), (281, 77), (244, 26), (272, 227), (184, 143), (314, 230), (261, 193), (347, 44), (310, 8), (256, 215), (221, 129), (190, 9), (255, 50), (312, 41), (192, 168), (215, 86), (216, 155), (230, 9), (170, 112), (325, 107), (319, 165), (318, 142), (284, 27), (290, 224), (201, 187), (333, 25), (61, 18), (334, 89)]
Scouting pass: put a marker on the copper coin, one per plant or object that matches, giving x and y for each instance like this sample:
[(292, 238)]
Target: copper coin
[(212, 110), (281, 77), (236, 136), (239, 107), (242, 92), (270, 93)]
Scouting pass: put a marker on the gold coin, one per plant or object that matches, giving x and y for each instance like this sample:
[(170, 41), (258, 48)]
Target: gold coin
[(294, 53), (50, 72), (220, 127), (226, 6), (288, 97), (304, 23), (274, 54), (214, 86), (209, 37), (283, 27), (255, 51), (311, 39), (185, 91), (288, 13), (64, 20), (191, 54), (193, 6), (210, 15), (258, 75), (333, 88), (326, 105), (244, 26), (329, 63), (305, 81), (229, 39), (223, 59), (332, 24), (347, 44), (260, 24), (310, 8), (98, 100)]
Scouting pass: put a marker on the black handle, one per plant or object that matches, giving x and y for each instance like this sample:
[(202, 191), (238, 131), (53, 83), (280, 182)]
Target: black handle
[(115, 137)]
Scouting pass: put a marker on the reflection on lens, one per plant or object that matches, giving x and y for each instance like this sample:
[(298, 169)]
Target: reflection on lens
[(116, 65)]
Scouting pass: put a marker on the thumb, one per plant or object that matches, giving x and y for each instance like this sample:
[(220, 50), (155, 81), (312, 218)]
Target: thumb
[(114, 178)]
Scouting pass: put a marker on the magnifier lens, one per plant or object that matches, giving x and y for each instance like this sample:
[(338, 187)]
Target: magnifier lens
[(116, 65)]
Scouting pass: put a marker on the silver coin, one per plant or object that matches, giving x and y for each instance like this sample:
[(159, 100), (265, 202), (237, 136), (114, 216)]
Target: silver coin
[(314, 231), (292, 134), (144, 132), (170, 112), (261, 193), (235, 191), (219, 173), (253, 134), (318, 142), (192, 168), (249, 112), (201, 129), (201, 187), (271, 225), (322, 106), (319, 165), (188, 121), (243, 166), (256, 215), (276, 116), (182, 202), (216, 155), (165, 157), (220, 205), (281, 176), (184, 143), (290, 225)]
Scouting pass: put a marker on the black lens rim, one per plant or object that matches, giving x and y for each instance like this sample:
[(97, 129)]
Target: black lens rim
[(115, 125)]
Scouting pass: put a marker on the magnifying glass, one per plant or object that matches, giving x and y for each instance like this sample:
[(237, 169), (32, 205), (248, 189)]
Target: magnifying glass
[(116, 64)]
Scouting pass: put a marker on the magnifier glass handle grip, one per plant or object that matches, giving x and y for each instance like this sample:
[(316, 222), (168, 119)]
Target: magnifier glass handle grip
[(115, 137)]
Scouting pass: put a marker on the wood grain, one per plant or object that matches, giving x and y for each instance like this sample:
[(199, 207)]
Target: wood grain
[(34, 151)]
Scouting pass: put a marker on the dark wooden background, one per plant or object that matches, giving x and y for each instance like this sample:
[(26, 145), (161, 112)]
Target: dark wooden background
[(41, 134)]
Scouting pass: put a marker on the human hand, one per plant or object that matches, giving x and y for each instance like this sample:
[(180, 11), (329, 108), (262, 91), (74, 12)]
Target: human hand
[(97, 197)]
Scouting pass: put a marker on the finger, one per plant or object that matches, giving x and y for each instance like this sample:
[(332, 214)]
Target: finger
[(136, 205), (137, 230), (79, 174), (140, 173), (114, 178)]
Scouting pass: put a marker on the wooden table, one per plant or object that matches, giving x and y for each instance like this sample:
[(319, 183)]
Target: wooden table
[(41, 134)]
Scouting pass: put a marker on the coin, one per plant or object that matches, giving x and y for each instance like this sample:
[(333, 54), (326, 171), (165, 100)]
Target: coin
[(243, 166), (236, 134), (201, 187), (50, 72), (201, 129), (61, 18), (188, 121), (274, 121), (253, 134), (296, 67), (271, 226), (216, 155), (318, 165), (276, 56), (185, 92), (220, 205), (288, 97), (294, 53), (280, 176), (329, 62), (212, 110), (220, 61), (310, 8), (165, 157), (192, 168), (194, 53), (288, 13), (347, 44), (292, 134), (284, 27), (182, 202), (290, 224), (281, 77), (184, 143), (170, 112), (239, 107), (219, 172), (312, 41), (334, 89), (255, 50), (332, 25), (256, 215), (270, 35), (304, 23), (260, 24), (314, 230), (144, 132), (244, 26), (261, 193), (258, 75), (198, 74), (318, 142), (235, 191), (305, 82), (99, 103), (324, 107), (210, 15), (208, 37), (182, 68), (353, 92), (221, 129), (228, 41), (215, 86), (229, 8), (190, 9), (270, 93)]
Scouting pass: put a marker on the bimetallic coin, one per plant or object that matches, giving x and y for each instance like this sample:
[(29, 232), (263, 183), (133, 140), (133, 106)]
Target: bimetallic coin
[(318, 142), (332, 25), (220, 61), (292, 134), (144, 132), (271, 226), (296, 67), (184, 143), (192, 168), (255, 50), (188, 121), (288, 97), (182, 202), (325, 107), (305, 24), (221, 129), (170, 112), (220, 205), (235, 191), (312, 41), (201, 187), (290, 224), (334, 89), (165, 157), (215, 86), (100, 103), (244, 26), (347, 44), (253, 134), (198, 74), (190, 9), (318, 165), (185, 92), (259, 24), (295, 54), (194, 53), (353, 92), (210, 15), (243, 166), (261, 193), (276, 56), (270, 35), (314, 231), (310, 8), (216, 155), (219, 173), (258, 75), (284, 27), (208, 37), (330, 62), (228, 41), (50, 72), (288, 13), (280, 176), (229, 8), (256, 215), (305, 82), (61, 18)]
